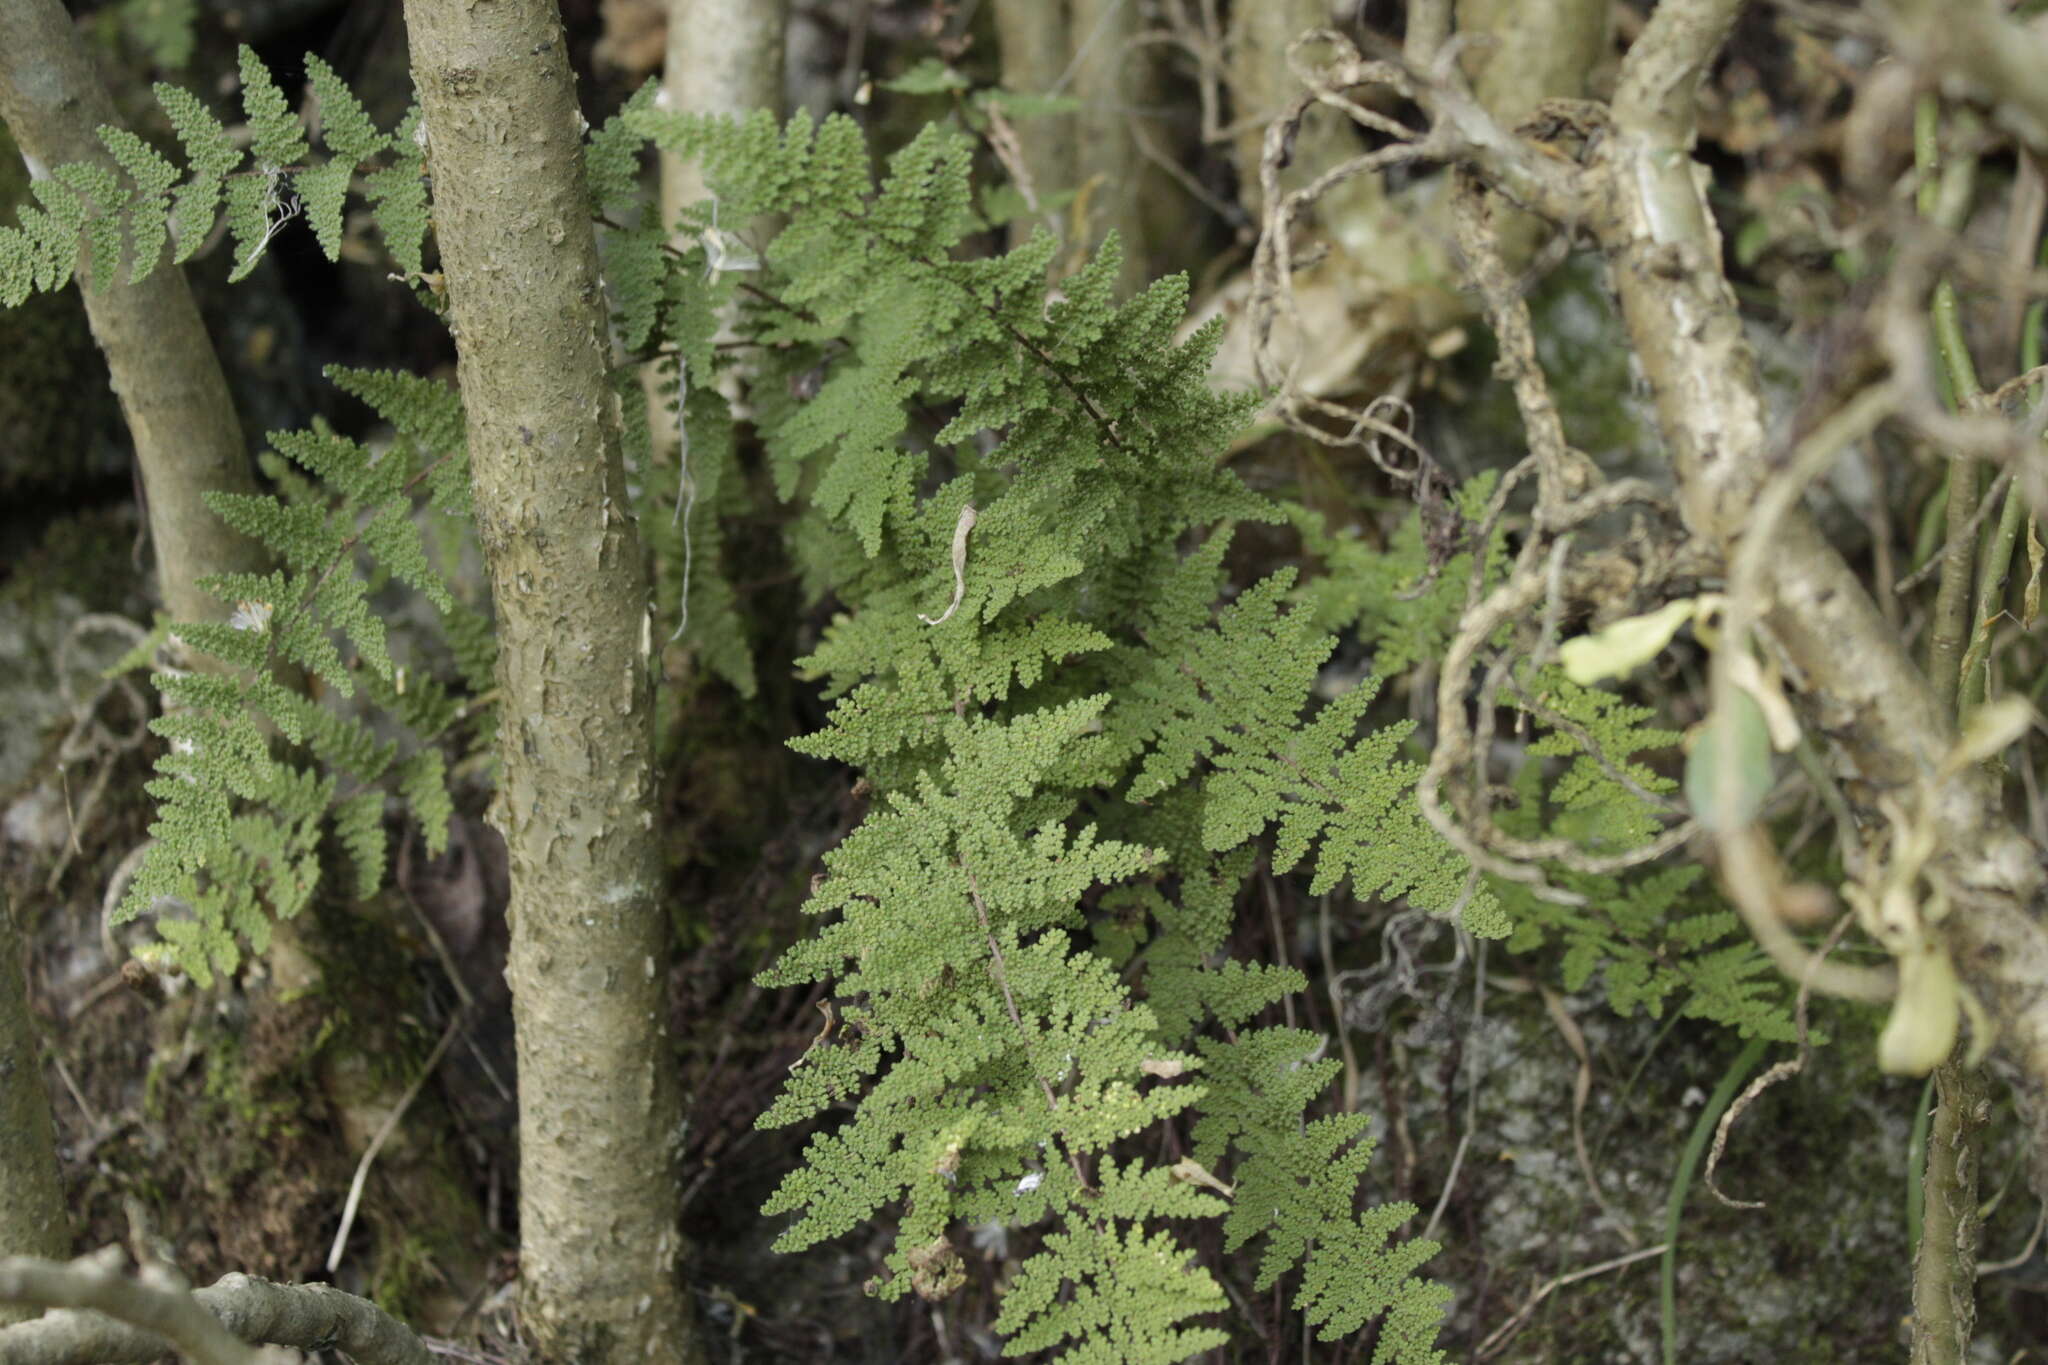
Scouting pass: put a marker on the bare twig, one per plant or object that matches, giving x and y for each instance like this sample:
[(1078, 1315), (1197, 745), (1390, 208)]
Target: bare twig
[(107, 1318), (1780, 1072), (384, 1132), (1500, 1335), (2026, 1253)]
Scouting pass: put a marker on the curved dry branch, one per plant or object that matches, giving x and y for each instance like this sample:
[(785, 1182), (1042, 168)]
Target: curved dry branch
[(1977, 52), (1862, 689), (104, 1317)]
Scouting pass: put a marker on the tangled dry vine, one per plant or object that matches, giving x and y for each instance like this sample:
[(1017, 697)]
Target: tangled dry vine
[(1621, 178)]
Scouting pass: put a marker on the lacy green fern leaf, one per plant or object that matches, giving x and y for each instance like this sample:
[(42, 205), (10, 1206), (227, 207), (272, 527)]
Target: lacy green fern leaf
[(1119, 1293), (1605, 799), (1401, 604), (351, 140), (149, 207), (238, 826), (398, 197), (212, 157), (1007, 669), (264, 188), (1229, 697), (359, 826), (1656, 934)]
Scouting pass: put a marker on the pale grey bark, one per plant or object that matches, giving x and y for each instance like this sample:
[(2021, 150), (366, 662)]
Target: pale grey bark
[(1524, 52), (1521, 52), (32, 1218), (1032, 35), (164, 370), (723, 57), (1261, 86), (100, 1316), (600, 1111), (1884, 719)]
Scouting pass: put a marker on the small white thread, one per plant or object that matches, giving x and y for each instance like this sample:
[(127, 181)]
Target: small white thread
[(686, 492)]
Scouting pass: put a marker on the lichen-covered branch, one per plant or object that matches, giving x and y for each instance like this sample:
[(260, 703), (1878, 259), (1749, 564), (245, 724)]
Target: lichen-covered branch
[(1862, 689), (104, 1317)]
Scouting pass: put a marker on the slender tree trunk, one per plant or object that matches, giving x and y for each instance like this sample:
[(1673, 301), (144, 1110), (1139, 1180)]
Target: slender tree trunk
[(600, 1105), (1112, 78), (723, 57), (32, 1219), (1261, 84), (164, 369), (1945, 1263), (1033, 37)]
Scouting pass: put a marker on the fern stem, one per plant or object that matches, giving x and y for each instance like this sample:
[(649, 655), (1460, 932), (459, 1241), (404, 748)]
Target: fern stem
[(1688, 1163), (1002, 976)]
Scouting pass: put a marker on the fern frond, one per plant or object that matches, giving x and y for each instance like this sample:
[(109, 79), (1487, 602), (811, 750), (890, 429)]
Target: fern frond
[(1025, 992), (398, 196), (1119, 1293), (264, 187), (238, 826)]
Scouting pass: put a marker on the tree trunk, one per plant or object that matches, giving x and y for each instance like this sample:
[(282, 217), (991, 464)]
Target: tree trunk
[(1261, 84), (1945, 1262), (723, 57), (1033, 37), (187, 439), (600, 1109), (1112, 77), (32, 1220)]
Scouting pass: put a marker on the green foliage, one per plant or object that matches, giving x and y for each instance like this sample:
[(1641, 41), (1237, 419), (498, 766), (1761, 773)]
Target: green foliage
[(86, 208), (1076, 756), (258, 767), (1398, 600), (1598, 805), (165, 29), (1230, 695), (1653, 934), (1080, 739)]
